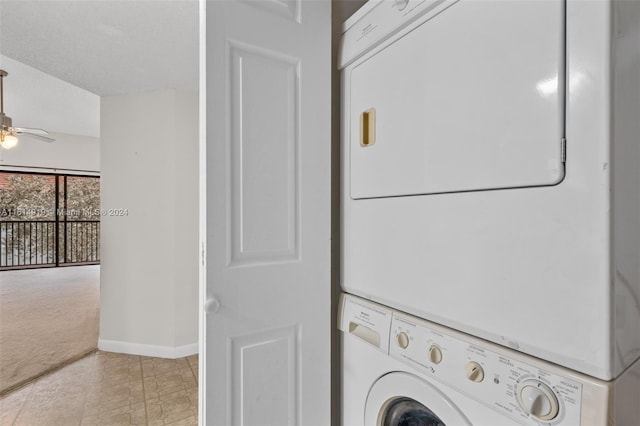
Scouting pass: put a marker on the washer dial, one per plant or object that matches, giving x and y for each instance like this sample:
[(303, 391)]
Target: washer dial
[(474, 371), (435, 354), (537, 399), (401, 4), (402, 339)]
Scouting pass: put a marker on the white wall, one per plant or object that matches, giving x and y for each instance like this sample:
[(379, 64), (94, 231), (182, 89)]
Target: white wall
[(71, 115), (69, 153), (149, 257)]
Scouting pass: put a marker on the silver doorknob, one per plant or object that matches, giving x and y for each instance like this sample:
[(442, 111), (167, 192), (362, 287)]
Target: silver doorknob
[(211, 306)]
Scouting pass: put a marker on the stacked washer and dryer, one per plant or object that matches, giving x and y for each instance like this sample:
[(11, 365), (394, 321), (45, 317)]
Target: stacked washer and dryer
[(490, 253)]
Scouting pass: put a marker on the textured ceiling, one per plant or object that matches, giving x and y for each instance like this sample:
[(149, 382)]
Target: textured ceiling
[(107, 47)]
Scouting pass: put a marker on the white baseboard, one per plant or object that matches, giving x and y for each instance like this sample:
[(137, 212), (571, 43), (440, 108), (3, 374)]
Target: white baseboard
[(148, 350)]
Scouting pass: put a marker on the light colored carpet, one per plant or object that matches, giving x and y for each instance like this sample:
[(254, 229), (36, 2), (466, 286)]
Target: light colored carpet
[(48, 317)]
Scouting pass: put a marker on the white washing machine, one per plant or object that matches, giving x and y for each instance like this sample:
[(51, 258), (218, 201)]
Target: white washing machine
[(491, 171), (400, 370)]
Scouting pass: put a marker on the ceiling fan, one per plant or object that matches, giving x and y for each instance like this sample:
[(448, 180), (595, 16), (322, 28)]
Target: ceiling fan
[(8, 133)]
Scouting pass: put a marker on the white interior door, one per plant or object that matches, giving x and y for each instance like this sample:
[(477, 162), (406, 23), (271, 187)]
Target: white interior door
[(267, 327)]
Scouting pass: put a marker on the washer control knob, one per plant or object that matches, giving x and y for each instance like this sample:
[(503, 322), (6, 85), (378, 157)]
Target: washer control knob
[(401, 4), (538, 399), (475, 373), (435, 354), (402, 339)]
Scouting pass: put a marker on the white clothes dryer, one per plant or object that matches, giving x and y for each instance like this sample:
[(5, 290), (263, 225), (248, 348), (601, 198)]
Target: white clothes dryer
[(399, 370), (491, 171)]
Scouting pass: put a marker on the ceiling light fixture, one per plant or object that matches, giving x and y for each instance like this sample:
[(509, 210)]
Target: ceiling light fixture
[(7, 138), (8, 133)]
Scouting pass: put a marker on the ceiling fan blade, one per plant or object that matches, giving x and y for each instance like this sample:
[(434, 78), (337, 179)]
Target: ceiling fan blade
[(20, 130), (36, 136), (34, 133)]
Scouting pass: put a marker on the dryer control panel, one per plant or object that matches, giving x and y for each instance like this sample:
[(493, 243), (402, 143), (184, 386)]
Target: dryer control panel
[(525, 390)]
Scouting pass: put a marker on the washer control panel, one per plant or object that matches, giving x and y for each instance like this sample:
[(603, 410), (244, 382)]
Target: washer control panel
[(523, 390), (369, 322)]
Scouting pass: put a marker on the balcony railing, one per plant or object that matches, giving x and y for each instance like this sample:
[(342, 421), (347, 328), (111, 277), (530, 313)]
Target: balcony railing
[(28, 244)]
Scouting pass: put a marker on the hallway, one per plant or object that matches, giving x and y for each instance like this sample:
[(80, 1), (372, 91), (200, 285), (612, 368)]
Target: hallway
[(107, 388)]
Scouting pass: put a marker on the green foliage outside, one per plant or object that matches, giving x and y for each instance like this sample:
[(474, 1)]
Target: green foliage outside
[(27, 197), (27, 212)]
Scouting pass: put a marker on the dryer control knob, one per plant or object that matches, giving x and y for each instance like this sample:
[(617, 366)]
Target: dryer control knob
[(538, 399), (435, 354), (475, 373), (402, 339)]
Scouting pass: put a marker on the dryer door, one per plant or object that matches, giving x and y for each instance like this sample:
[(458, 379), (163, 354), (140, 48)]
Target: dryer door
[(471, 99), (402, 399)]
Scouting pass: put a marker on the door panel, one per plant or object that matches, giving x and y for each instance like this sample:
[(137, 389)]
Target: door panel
[(266, 396), (264, 177), (267, 286)]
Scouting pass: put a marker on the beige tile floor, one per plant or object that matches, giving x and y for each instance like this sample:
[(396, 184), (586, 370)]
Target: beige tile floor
[(106, 388)]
